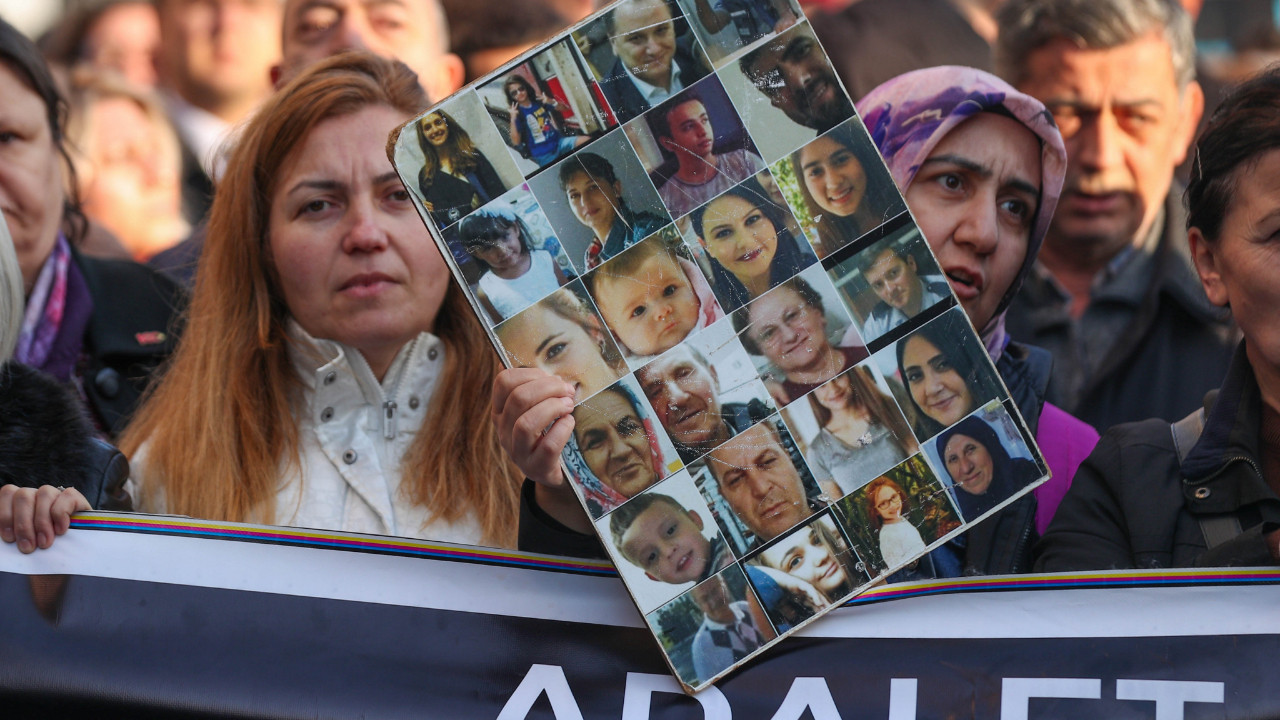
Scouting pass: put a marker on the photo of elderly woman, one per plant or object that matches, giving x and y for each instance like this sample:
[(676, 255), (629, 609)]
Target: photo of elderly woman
[(799, 335), (891, 281), (986, 459), (562, 335), (547, 106), (897, 516), (805, 572), (618, 448), (840, 187), (652, 296), (600, 201), (946, 372), (642, 52), (516, 264), (712, 627), (744, 234), (855, 429)]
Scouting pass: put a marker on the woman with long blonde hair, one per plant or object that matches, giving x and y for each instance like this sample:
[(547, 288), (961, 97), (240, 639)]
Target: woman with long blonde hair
[(329, 378)]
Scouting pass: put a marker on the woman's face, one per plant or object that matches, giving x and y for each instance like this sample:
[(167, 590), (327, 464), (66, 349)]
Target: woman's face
[(808, 558), (436, 129), (834, 395), (31, 193), (594, 204), (788, 330), (969, 464), (353, 261), (614, 443), (976, 197), (503, 252), (834, 177), (131, 183), (935, 384), (740, 236), (1240, 267), (888, 504), (555, 344)]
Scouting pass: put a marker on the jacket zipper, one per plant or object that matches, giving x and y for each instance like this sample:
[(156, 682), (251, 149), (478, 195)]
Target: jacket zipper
[(388, 403)]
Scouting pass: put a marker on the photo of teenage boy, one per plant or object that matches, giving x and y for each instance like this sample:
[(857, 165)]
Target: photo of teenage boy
[(891, 281), (804, 95), (798, 335), (617, 448), (759, 475), (705, 149), (546, 106), (896, 516), (600, 200), (728, 25), (842, 187), (667, 540), (805, 572), (702, 404), (562, 335), (652, 55), (730, 630), (515, 271)]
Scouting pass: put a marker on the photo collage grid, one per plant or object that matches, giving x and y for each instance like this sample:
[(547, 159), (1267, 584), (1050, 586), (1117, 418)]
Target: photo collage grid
[(778, 397)]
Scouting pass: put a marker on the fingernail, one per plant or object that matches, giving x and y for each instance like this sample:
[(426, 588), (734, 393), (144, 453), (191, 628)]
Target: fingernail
[(25, 546), (42, 540), (568, 403)]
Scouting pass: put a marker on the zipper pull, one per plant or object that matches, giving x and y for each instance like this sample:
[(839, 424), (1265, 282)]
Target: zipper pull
[(389, 420)]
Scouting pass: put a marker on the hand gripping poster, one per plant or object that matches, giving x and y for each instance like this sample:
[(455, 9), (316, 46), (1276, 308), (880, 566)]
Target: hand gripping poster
[(779, 402)]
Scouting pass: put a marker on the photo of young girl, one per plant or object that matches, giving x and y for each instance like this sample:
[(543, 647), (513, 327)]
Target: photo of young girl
[(517, 265), (562, 335), (652, 296), (895, 517), (618, 448), (804, 572)]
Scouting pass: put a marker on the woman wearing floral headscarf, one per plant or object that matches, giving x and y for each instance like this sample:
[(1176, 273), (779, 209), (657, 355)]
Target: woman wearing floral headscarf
[(981, 166)]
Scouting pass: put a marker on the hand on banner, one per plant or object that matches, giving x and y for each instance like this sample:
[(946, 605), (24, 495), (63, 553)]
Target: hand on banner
[(33, 517)]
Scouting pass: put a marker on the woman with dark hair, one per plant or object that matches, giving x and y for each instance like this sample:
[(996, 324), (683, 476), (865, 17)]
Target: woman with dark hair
[(1206, 490), (534, 125), (946, 380), (862, 432), (456, 177), (98, 326), (834, 171), (751, 250), (594, 193), (514, 275), (981, 467)]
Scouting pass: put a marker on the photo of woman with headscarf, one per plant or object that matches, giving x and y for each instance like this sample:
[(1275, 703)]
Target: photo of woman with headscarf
[(984, 471)]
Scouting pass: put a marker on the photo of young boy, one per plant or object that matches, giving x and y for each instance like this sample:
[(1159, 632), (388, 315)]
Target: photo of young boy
[(666, 540), (617, 449), (712, 627), (546, 106), (652, 296), (514, 265)]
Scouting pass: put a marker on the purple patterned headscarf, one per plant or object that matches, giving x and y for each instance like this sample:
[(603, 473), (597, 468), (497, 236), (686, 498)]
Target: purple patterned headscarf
[(910, 114)]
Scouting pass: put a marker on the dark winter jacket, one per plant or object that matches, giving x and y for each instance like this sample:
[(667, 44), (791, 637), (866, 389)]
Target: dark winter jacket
[(1132, 505), (46, 439)]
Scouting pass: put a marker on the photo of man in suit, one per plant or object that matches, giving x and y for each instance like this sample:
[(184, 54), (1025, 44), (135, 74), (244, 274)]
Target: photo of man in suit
[(652, 62)]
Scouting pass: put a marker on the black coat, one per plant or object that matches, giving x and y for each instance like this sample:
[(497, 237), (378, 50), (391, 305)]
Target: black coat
[(626, 100), (1133, 505), (45, 439)]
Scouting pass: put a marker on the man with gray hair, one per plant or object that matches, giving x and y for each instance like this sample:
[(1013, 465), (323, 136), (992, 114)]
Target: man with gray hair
[(1114, 296)]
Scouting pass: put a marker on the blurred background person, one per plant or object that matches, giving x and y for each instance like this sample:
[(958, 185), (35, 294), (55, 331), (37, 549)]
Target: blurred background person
[(488, 33), (127, 162), (118, 35)]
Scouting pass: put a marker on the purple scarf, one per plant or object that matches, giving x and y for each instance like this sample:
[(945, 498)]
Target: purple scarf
[(57, 314)]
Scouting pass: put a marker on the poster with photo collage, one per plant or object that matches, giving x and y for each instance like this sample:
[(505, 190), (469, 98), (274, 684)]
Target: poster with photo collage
[(778, 400)]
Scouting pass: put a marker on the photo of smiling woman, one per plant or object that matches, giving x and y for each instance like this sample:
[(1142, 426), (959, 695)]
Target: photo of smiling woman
[(563, 335), (844, 185), (617, 449), (514, 274), (984, 469), (805, 572), (745, 234), (456, 177), (946, 372)]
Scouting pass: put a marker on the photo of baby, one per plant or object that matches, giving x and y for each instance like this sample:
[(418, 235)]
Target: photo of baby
[(516, 264), (712, 627), (618, 449), (652, 297), (663, 542)]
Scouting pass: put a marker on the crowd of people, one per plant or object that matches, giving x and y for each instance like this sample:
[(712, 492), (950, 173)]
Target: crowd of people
[(217, 298)]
